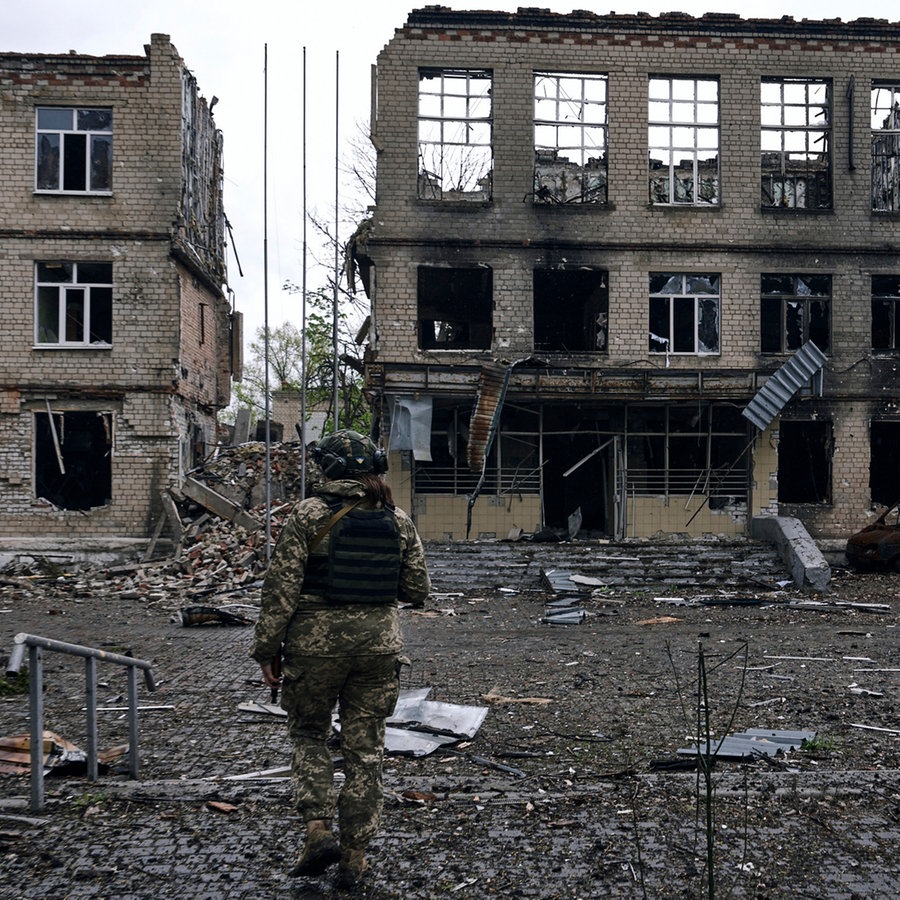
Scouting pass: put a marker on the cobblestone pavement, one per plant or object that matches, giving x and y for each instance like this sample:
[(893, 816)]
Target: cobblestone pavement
[(556, 797)]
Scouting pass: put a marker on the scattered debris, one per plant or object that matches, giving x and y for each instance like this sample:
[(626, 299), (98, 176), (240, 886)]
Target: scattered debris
[(208, 615), (59, 755), (493, 697), (659, 620), (751, 743)]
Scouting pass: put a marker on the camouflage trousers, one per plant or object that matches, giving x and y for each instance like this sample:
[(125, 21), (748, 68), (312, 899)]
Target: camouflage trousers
[(365, 688)]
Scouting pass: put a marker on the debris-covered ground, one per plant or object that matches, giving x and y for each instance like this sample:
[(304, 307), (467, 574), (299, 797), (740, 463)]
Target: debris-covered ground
[(573, 786)]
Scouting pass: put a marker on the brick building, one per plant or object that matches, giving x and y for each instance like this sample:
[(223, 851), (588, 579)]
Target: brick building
[(599, 239), (117, 329)]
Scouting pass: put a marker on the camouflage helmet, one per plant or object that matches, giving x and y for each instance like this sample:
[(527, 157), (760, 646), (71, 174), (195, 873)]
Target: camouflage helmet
[(349, 453)]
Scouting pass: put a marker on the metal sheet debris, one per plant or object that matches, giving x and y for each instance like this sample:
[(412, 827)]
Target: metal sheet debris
[(750, 743)]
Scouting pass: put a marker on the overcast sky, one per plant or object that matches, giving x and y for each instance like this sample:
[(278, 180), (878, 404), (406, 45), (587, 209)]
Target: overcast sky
[(225, 44)]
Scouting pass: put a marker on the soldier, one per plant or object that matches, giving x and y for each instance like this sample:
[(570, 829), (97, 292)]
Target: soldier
[(345, 559)]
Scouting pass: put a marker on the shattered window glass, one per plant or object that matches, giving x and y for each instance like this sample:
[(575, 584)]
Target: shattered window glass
[(455, 307), (73, 304), (684, 313), (885, 108), (455, 135), (683, 141), (73, 150), (570, 138), (886, 313), (795, 309), (796, 143)]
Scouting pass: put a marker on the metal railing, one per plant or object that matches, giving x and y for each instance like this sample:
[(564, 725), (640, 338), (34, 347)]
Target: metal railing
[(36, 645)]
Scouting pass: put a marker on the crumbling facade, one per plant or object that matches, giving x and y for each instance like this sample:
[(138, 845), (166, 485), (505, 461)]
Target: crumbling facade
[(597, 238), (112, 275)]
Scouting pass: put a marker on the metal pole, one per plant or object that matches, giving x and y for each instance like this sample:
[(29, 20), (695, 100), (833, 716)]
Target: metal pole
[(133, 722), (268, 466), (36, 702), (90, 691), (334, 326), (303, 308)]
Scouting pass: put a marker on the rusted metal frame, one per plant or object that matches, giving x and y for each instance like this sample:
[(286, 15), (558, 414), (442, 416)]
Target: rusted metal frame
[(36, 645)]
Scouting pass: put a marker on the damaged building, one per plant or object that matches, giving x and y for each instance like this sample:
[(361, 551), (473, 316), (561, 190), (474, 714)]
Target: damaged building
[(633, 275), (112, 275)]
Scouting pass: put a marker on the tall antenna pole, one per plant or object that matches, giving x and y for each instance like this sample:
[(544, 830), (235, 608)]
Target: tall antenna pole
[(303, 306), (266, 297), (334, 326)]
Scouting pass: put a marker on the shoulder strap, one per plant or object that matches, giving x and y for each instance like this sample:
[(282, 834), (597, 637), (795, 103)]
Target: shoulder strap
[(320, 536)]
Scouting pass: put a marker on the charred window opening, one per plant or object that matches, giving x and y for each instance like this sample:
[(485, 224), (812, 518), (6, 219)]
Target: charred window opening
[(683, 141), (796, 143), (73, 458), (570, 138), (571, 310), (885, 110), (886, 313), (73, 304), (455, 140), (455, 308), (684, 313), (804, 462), (795, 309), (73, 150), (884, 463)]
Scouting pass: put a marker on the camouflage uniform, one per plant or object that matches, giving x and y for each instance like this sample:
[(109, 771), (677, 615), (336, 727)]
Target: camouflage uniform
[(336, 653)]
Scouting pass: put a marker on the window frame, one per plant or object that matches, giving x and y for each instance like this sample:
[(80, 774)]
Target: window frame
[(890, 321), (885, 147), (455, 132), (784, 299), (674, 127), (584, 178), (96, 309), (692, 302), (54, 176), (781, 179)]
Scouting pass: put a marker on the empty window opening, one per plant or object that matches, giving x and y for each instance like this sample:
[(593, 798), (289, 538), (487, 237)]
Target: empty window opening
[(884, 463), (886, 313), (571, 310), (73, 150), (804, 462), (795, 309), (73, 304), (886, 147), (455, 140), (684, 313), (73, 458), (455, 308), (796, 143), (570, 138), (683, 141)]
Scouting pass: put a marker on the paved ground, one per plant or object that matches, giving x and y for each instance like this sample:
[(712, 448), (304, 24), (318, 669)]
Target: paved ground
[(567, 790)]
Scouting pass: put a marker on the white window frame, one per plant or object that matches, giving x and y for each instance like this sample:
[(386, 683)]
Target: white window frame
[(680, 297), (683, 140), (52, 133), (84, 295), (885, 113)]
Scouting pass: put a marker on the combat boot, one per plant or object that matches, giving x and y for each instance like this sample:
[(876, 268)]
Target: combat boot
[(320, 852), (351, 870)]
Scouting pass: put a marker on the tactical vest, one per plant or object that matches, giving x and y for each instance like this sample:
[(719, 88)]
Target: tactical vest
[(362, 564)]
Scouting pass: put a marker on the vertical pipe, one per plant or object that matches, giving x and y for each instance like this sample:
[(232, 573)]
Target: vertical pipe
[(36, 702), (268, 465), (334, 317), (133, 756), (303, 304), (90, 697)]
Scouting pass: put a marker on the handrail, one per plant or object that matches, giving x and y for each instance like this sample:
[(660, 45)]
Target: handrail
[(36, 645)]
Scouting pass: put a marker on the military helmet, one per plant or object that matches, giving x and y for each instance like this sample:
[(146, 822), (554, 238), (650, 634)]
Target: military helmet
[(349, 453)]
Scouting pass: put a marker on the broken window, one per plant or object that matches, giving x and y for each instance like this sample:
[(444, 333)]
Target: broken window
[(73, 458), (886, 147), (683, 140), (73, 304), (570, 122), (796, 143), (455, 308), (795, 309), (804, 462), (571, 310), (886, 312), (455, 141), (690, 449), (884, 463), (684, 313), (73, 151)]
